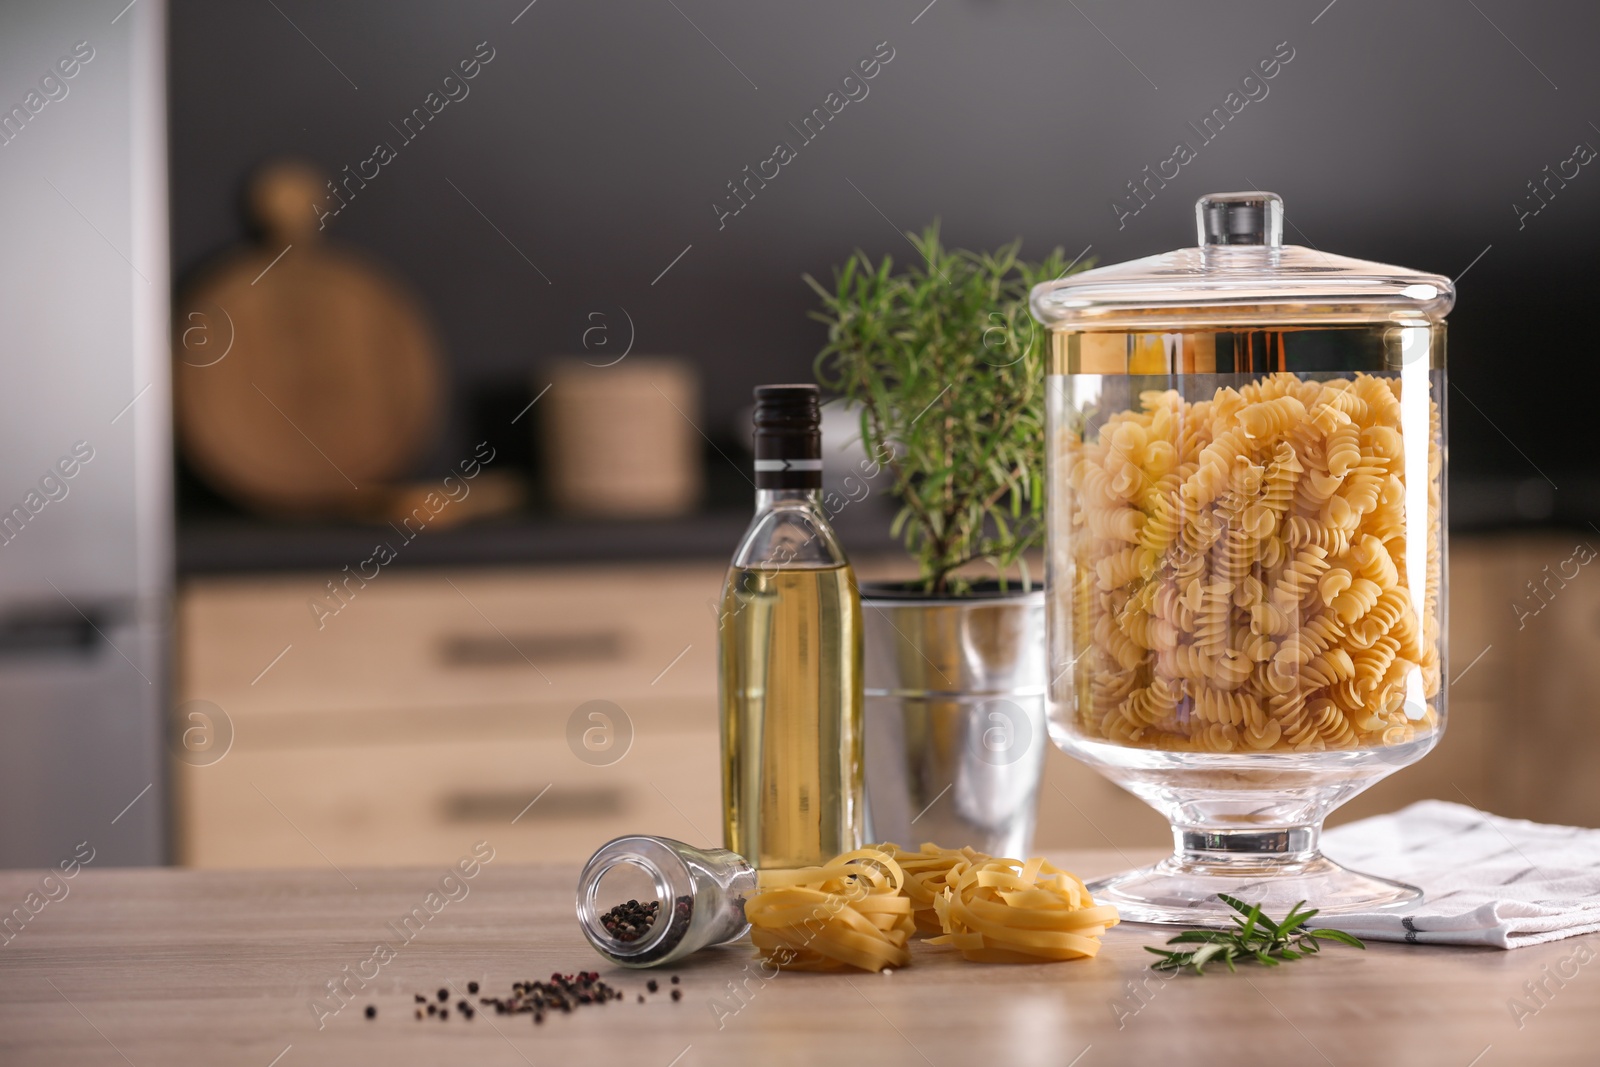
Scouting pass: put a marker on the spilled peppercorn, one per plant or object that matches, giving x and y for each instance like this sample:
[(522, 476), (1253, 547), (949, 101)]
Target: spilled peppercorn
[(562, 993)]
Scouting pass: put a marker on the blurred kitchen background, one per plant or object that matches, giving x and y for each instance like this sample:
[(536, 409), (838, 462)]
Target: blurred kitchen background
[(568, 284)]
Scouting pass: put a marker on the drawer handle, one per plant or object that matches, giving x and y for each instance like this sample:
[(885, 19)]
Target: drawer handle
[(45, 632), (558, 802), (519, 650)]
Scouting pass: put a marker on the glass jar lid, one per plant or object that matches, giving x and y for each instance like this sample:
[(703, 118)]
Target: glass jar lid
[(1241, 274)]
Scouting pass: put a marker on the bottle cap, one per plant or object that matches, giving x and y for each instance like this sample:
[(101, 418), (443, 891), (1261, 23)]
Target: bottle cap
[(788, 438)]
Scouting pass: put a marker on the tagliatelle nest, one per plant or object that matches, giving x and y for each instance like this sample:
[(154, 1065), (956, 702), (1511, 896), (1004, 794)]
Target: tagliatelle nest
[(850, 913), (1007, 911), (927, 873)]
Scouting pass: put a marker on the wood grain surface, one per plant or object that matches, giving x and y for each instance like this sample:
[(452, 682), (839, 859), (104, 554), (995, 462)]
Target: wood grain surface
[(169, 967)]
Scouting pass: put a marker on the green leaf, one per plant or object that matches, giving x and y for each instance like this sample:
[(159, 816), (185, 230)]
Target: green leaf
[(1268, 925), (1200, 955), (1295, 919), (1190, 936), (1251, 918), (1235, 903), (1340, 936)]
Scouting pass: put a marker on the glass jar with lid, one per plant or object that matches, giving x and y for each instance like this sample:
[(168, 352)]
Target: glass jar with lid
[(1246, 548)]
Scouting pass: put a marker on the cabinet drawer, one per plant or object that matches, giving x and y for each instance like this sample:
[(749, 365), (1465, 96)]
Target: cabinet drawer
[(423, 802), (450, 639)]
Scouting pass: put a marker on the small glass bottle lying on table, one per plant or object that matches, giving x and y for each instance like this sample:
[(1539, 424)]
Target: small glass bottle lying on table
[(645, 901)]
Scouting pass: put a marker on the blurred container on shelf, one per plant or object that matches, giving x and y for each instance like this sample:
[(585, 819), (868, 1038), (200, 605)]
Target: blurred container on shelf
[(621, 441), (846, 470)]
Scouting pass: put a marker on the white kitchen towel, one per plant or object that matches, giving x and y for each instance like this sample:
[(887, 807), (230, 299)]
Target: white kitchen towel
[(1487, 880)]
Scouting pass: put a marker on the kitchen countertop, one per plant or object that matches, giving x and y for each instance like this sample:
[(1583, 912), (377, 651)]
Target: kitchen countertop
[(230, 544), (163, 966), (234, 545)]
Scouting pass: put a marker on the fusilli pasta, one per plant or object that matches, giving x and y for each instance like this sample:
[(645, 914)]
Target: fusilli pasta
[(1239, 570)]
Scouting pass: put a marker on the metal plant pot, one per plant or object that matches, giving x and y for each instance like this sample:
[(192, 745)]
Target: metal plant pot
[(954, 719)]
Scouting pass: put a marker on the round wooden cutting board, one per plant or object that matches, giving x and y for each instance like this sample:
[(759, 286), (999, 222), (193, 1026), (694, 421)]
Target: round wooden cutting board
[(306, 380)]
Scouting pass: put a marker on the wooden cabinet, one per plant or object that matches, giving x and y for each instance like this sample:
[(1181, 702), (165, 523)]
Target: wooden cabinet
[(1541, 691), (434, 707)]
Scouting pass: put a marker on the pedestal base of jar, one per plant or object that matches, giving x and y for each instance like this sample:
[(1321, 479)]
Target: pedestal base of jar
[(1275, 868), (1244, 823)]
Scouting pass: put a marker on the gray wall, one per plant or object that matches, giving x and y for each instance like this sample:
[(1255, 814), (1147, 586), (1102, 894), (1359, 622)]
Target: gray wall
[(601, 134)]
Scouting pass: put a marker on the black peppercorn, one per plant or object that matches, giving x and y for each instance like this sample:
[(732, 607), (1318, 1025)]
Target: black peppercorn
[(562, 993), (674, 979), (631, 920), (677, 994), (444, 995), (372, 1011)]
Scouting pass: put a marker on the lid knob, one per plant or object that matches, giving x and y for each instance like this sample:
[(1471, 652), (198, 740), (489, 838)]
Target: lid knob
[(1240, 219)]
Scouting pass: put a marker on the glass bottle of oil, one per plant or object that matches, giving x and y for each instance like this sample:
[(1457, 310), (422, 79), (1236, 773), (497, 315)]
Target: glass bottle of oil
[(790, 654)]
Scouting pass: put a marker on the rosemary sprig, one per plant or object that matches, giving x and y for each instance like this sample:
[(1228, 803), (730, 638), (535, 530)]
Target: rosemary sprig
[(1257, 938)]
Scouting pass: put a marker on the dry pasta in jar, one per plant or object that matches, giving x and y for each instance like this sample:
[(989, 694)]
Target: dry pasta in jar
[(1254, 569)]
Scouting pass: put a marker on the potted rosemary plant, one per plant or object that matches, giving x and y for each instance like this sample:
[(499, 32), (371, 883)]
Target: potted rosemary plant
[(946, 368)]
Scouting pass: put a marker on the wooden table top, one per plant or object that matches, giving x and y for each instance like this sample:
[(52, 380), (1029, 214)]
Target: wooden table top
[(163, 967)]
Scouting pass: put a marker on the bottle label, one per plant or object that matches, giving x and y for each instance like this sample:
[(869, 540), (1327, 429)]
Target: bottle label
[(775, 472)]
